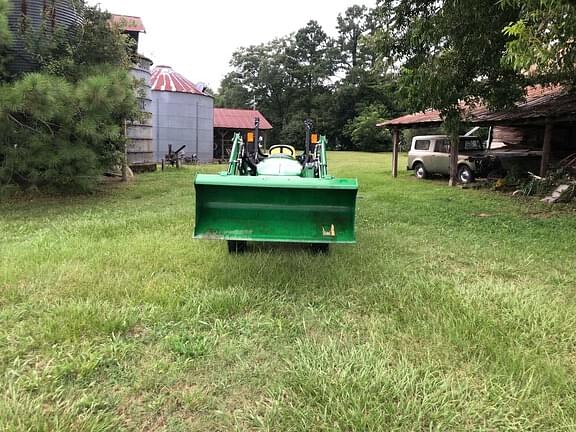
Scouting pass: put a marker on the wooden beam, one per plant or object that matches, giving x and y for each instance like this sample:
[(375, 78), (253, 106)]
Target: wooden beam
[(546, 149), (395, 151)]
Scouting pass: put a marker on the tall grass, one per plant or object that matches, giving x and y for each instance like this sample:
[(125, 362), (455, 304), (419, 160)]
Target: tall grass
[(455, 311)]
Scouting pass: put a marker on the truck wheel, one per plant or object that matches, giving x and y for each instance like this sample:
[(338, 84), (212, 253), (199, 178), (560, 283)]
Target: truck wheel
[(419, 171), (237, 246), (465, 174)]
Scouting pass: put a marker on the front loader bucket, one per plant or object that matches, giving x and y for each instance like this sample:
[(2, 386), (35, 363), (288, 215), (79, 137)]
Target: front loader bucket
[(275, 209)]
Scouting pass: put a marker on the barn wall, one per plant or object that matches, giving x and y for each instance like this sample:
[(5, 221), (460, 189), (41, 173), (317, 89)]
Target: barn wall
[(563, 137)]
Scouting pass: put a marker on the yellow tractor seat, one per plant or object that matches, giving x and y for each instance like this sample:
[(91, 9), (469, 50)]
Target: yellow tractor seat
[(284, 150)]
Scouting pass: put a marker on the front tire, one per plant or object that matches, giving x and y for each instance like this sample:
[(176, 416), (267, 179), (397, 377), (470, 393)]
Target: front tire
[(419, 171), (465, 174), (320, 248), (237, 246)]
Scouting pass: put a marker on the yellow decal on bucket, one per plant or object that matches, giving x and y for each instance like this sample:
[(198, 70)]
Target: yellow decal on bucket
[(329, 233)]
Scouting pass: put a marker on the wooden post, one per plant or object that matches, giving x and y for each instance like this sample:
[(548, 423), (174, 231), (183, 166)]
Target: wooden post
[(395, 151), (125, 156), (546, 149)]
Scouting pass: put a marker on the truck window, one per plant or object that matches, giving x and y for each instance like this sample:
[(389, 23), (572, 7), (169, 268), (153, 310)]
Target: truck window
[(422, 145), (443, 146), (471, 145)]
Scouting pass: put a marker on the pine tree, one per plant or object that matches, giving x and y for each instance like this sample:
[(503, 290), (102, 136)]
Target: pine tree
[(62, 127)]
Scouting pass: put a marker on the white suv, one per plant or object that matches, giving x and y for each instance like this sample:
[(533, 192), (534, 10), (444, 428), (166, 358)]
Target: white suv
[(431, 155)]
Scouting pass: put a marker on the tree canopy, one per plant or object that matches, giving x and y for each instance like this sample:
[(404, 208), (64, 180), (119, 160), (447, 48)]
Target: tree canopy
[(543, 40)]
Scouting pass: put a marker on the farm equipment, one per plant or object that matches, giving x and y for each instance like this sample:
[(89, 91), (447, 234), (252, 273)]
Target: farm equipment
[(276, 197), (173, 158)]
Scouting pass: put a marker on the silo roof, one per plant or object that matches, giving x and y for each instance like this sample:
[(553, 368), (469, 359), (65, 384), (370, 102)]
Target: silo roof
[(164, 78), (129, 23)]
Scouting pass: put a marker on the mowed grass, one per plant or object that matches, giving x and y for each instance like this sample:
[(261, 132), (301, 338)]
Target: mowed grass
[(456, 310)]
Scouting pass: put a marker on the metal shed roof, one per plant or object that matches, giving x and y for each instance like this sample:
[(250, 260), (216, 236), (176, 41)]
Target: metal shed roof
[(129, 23), (226, 118), (554, 102), (164, 78)]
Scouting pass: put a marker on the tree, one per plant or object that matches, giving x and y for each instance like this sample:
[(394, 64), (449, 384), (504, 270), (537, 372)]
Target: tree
[(232, 92), (351, 27), (4, 36), (543, 40), (363, 133), (452, 52), (75, 54), (312, 61), (62, 127)]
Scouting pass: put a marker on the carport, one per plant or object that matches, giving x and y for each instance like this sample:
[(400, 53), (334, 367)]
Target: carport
[(544, 121)]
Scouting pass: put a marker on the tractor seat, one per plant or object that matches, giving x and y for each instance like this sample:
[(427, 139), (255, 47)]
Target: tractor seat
[(282, 151)]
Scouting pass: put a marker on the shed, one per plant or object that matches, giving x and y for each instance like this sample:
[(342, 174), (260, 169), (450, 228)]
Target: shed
[(183, 115), (545, 120), (229, 121)]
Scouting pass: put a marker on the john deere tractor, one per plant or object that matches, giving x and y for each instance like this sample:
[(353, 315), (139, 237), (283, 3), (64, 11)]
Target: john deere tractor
[(280, 196)]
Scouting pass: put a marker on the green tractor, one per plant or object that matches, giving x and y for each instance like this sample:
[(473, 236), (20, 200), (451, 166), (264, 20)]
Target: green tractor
[(276, 197)]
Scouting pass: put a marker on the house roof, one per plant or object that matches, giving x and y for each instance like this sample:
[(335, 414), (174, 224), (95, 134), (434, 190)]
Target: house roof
[(553, 102), (226, 118), (129, 23), (164, 78)]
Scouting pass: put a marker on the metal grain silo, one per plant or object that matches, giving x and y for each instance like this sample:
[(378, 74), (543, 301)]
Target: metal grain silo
[(183, 115), (29, 16), (141, 134)]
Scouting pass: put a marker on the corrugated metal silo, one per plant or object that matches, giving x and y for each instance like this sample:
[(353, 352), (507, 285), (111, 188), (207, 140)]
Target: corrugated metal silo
[(33, 15), (183, 115), (141, 134)]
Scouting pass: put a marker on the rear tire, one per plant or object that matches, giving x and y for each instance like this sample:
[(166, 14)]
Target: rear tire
[(237, 246), (419, 171), (320, 248)]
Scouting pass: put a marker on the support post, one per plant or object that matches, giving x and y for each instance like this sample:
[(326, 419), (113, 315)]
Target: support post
[(124, 167), (546, 149), (395, 151)]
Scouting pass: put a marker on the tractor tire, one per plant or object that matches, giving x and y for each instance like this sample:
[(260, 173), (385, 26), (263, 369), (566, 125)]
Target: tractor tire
[(320, 248), (237, 246)]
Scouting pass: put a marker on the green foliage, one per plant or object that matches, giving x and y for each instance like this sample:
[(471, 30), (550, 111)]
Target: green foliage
[(5, 37), (453, 53), (61, 135), (82, 51), (543, 40), (63, 126), (301, 76), (363, 133)]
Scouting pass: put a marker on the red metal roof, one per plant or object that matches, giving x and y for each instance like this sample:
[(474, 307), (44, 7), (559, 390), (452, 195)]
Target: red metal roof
[(226, 118), (129, 23), (539, 102), (164, 78)]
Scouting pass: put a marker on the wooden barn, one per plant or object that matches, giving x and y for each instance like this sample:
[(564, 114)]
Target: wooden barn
[(229, 121)]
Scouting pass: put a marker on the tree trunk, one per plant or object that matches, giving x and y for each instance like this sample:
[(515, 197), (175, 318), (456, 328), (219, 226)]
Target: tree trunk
[(452, 124)]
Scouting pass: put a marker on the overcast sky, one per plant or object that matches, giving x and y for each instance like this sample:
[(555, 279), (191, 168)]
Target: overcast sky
[(198, 38)]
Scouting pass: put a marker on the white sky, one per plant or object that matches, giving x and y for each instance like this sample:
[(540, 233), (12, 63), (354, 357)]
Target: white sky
[(198, 38)]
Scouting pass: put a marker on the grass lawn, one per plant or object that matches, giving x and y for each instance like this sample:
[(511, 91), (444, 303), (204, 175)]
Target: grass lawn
[(456, 310)]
